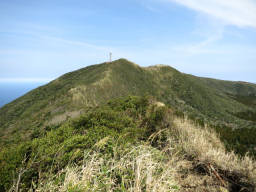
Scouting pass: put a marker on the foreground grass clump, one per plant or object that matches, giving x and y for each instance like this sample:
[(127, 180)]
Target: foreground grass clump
[(205, 149), (129, 144), (140, 168)]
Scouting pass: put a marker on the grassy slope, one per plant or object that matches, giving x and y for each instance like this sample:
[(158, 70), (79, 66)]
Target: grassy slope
[(219, 102), (129, 144)]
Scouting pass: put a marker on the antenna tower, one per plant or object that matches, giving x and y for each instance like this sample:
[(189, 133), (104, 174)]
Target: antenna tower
[(110, 57)]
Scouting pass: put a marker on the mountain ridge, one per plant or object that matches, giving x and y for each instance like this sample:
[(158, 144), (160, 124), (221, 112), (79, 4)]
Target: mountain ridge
[(221, 103), (116, 126)]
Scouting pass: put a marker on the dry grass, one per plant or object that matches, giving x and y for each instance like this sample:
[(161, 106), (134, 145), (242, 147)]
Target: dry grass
[(78, 93), (57, 119), (138, 170), (182, 165), (205, 148)]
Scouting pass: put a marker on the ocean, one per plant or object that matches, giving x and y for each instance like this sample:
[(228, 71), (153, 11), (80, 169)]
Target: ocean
[(10, 91)]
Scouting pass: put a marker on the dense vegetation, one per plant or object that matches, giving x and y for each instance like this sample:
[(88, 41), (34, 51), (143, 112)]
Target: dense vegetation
[(230, 105), (121, 123), (119, 146), (40, 137)]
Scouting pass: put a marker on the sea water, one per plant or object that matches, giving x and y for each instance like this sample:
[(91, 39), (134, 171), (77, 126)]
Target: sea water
[(10, 91)]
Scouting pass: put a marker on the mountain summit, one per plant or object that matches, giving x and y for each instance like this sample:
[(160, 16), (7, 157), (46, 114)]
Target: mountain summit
[(222, 103), (117, 126)]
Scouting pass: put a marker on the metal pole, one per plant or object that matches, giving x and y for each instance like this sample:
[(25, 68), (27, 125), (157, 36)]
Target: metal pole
[(110, 57)]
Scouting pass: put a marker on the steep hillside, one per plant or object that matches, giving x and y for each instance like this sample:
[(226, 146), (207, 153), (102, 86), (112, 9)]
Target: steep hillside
[(225, 105)]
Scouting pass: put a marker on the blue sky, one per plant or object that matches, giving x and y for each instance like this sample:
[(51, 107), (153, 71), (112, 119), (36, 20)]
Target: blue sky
[(40, 40)]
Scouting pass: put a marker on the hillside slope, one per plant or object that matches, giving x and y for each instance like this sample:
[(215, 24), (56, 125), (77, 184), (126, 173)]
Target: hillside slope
[(226, 105), (128, 144)]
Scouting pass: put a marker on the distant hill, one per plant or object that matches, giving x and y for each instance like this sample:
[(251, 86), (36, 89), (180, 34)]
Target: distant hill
[(225, 105)]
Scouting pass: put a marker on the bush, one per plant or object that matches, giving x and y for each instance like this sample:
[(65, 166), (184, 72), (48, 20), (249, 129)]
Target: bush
[(119, 123)]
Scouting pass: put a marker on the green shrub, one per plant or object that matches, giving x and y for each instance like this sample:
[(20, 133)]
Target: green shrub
[(117, 124)]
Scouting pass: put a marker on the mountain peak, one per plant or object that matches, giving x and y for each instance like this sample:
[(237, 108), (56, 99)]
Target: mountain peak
[(71, 93), (123, 61)]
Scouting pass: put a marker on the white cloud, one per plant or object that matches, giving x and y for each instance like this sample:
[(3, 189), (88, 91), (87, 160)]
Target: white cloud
[(75, 43), (201, 47), (241, 13)]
